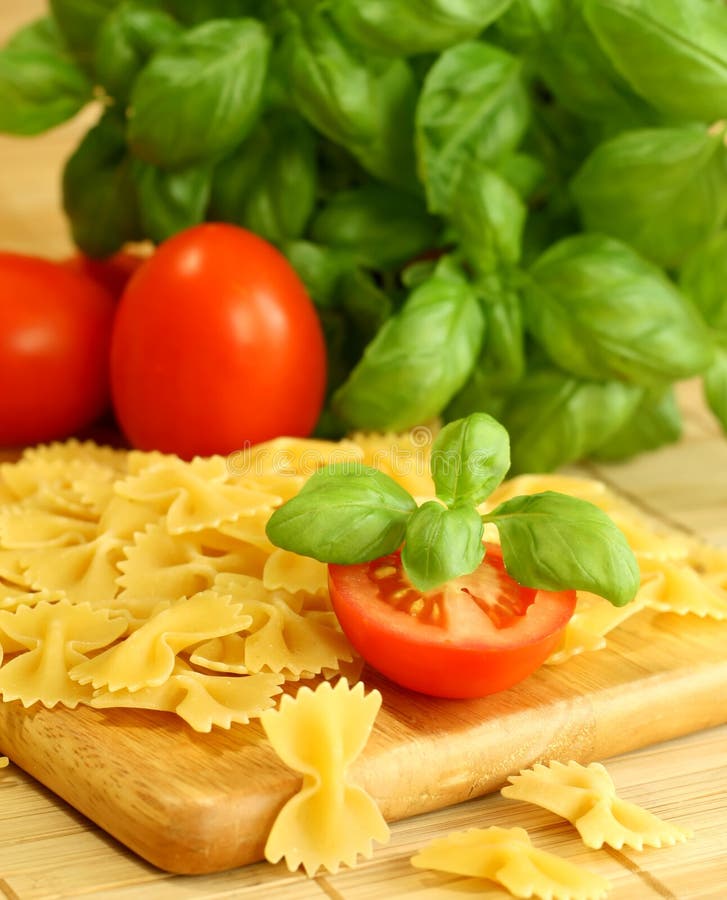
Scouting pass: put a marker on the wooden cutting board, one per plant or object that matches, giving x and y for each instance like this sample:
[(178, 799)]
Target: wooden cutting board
[(194, 803)]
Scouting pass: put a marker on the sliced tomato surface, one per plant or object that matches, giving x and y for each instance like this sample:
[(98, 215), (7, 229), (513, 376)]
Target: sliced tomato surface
[(471, 637)]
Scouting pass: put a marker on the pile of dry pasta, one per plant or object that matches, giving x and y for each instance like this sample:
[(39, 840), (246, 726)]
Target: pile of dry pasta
[(139, 580)]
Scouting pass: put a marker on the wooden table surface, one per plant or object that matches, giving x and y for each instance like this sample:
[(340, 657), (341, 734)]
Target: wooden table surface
[(48, 850)]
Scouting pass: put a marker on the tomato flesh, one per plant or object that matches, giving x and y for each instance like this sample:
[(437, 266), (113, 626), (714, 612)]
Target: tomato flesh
[(476, 635)]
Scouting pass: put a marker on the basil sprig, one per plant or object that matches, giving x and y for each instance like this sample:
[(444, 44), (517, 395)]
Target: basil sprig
[(515, 207), (351, 513)]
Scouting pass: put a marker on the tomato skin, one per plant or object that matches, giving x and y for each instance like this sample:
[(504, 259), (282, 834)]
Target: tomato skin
[(470, 659), (55, 330), (216, 346), (112, 272)]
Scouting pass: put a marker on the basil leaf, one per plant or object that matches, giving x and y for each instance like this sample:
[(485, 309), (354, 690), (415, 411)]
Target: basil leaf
[(703, 278), (380, 226), (199, 96), (127, 38), (600, 311), (488, 216), (469, 458), (99, 195), (569, 59), (406, 27), (554, 419), (418, 360), (715, 386), (472, 109), (320, 268), (79, 22), (269, 183), (169, 202), (194, 12), (673, 53), (685, 169), (555, 542), (501, 363), (361, 102), (346, 520), (441, 544), (656, 421), (40, 85)]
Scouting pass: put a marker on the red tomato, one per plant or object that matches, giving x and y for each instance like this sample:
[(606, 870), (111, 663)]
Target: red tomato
[(55, 329), (113, 272), (216, 346), (477, 634)]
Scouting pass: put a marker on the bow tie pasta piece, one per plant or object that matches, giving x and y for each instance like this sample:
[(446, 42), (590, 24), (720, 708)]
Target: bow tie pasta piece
[(193, 496), (291, 572), (54, 638), (586, 797), (508, 857), (201, 700), (163, 567), (330, 821), (146, 658), (28, 529), (290, 456), (592, 620), (678, 588)]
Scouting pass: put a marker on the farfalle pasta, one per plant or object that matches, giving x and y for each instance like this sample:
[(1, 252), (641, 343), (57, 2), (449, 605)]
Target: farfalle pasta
[(507, 856), (586, 797), (330, 821)]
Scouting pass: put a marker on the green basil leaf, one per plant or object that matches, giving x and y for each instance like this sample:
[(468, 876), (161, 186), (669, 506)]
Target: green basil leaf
[(673, 53), (320, 268), (269, 183), (656, 421), (488, 216), (382, 228), (345, 513), (525, 172), (406, 27), (99, 195), (686, 171), (715, 386), (365, 304), (199, 96), (469, 458), (554, 419), (40, 85), (703, 278), (195, 12), (441, 544), (127, 38), (361, 102), (473, 109), (418, 360), (169, 202), (79, 22), (555, 542), (601, 311), (569, 59), (501, 363)]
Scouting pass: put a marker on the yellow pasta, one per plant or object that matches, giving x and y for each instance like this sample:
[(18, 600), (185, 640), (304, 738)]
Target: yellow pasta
[(330, 821), (586, 797), (146, 658), (201, 700), (4, 761), (53, 638), (508, 857)]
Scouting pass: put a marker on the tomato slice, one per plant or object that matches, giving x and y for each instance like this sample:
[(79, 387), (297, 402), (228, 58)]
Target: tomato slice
[(475, 635)]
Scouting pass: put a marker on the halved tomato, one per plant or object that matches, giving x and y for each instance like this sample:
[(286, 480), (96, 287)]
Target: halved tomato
[(475, 635)]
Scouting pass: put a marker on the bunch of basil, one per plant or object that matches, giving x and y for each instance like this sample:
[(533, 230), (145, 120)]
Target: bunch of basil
[(509, 206)]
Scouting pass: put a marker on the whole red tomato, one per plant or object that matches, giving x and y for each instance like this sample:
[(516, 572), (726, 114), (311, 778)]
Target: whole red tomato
[(55, 329), (216, 346)]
